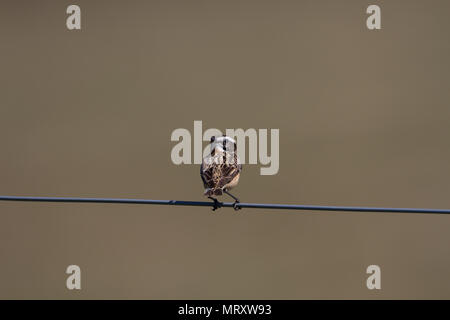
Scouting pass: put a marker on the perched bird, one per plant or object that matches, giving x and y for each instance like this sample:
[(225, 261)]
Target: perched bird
[(221, 169)]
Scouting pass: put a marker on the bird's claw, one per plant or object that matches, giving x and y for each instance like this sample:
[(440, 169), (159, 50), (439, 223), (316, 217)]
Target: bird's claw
[(217, 204), (236, 206)]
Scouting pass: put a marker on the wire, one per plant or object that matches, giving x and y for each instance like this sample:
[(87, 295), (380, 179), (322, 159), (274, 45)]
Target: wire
[(224, 204)]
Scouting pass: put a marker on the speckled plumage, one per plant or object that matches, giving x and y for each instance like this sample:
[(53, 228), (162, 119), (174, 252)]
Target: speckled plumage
[(221, 169)]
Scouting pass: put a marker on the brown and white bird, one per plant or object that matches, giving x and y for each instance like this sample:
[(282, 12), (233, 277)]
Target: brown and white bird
[(221, 169)]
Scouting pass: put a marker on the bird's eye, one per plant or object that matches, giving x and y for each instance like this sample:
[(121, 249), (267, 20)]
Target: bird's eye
[(213, 138)]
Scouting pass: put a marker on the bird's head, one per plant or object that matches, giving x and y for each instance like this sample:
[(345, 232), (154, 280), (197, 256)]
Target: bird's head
[(223, 144)]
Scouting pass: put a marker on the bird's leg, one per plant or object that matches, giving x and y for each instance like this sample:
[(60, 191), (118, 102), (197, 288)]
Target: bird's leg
[(217, 203), (236, 200)]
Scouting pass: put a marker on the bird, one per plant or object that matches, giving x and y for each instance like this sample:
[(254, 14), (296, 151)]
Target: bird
[(221, 169)]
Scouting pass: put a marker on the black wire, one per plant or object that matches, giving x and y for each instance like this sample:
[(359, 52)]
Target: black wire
[(225, 204)]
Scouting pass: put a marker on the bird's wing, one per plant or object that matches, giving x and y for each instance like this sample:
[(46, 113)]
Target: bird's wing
[(216, 175), (206, 172), (227, 173)]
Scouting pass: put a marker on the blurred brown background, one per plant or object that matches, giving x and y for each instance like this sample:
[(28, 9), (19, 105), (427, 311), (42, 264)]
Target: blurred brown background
[(364, 119)]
